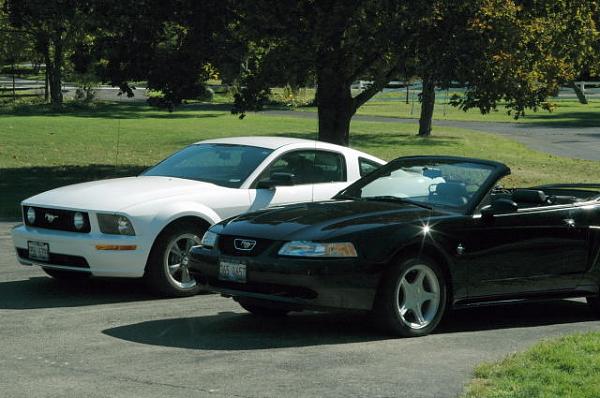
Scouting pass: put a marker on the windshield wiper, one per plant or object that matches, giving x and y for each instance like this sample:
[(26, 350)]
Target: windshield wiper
[(396, 199)]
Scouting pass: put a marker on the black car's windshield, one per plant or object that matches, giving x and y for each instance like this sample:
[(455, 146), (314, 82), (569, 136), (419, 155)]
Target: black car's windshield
[(221, 164), (447, 183)]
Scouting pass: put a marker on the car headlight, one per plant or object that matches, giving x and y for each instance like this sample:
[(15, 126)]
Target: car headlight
[(318, 249), (209, 239), (115, 224)]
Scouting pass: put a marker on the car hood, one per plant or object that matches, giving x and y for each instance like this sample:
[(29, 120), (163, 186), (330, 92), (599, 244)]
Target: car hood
[(323, 220), (118, 194)]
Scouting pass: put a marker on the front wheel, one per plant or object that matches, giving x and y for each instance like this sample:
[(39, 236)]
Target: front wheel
[(412, 298), (167, 270)]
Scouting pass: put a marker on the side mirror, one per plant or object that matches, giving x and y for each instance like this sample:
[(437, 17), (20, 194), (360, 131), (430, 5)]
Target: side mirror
[(276, 180), (499, 206)]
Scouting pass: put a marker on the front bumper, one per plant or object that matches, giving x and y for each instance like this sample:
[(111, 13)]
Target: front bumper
[(67, 249), (300, 282)]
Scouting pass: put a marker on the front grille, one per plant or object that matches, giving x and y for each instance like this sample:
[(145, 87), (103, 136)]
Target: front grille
[(58, 259), (226, 246), (57, 219)]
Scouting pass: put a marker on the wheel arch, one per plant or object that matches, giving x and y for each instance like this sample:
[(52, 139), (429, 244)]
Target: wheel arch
[(202, 222)]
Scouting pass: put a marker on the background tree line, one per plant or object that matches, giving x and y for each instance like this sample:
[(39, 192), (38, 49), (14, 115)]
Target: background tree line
[(514, 53)]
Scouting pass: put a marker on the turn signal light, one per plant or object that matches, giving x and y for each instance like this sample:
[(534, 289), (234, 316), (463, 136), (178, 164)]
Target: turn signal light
[(116, 247)]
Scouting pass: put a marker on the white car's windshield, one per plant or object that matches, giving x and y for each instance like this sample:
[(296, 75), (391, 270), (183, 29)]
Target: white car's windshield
[(428, 183), (221, 164)]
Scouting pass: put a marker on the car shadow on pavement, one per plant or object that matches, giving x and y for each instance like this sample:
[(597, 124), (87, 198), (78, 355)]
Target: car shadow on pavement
[(242, 331), (45, 292), (520, 315)]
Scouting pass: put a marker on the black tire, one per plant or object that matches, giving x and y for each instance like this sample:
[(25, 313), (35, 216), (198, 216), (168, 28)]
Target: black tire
[(263, 308), (594, 303), (63, 275), (157, 275), (394, 293)]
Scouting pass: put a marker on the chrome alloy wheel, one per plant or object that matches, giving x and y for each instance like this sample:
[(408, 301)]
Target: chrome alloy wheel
[(418, 296), (176, 260)]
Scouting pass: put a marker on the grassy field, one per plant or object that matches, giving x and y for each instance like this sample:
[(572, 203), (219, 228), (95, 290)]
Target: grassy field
[(568, 367), (567, 111), (42, 149)]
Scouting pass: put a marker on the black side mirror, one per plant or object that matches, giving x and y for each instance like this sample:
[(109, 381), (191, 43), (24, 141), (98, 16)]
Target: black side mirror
[(276, 180), (499, 206)]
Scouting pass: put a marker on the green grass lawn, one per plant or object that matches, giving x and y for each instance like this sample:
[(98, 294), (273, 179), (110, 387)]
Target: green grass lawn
[(567, 112), (568, 367), (42, 149)]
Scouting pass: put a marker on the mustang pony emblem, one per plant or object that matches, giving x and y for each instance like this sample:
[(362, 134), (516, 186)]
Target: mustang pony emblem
[(50, 217), (244, 244)]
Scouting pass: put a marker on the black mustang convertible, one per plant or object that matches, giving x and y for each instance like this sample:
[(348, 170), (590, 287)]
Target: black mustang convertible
[(407, 242)]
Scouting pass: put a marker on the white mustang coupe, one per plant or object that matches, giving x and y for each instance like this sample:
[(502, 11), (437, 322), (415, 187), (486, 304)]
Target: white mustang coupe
[(145, 225)]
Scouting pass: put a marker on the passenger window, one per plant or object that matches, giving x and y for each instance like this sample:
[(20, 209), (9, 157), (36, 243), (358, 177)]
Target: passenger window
[(366, 166), (309, 167)]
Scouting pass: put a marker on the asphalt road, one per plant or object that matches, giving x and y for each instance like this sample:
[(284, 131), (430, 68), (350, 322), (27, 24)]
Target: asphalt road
[(553, 138), (107, 338)]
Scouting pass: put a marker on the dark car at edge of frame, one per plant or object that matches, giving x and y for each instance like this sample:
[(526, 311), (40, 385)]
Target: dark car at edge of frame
[(407, 243)]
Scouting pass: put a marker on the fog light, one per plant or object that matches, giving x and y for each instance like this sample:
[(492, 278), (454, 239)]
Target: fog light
[(31, 215), (78, 221)]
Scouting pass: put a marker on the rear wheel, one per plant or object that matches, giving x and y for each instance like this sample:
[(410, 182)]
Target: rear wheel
[(412, 298), (63, 275), (167, 271), (263, 308)]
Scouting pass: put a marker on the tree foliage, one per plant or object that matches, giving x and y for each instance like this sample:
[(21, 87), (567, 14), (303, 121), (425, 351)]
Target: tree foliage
[(526, 50), (54, 26), (170, 44)]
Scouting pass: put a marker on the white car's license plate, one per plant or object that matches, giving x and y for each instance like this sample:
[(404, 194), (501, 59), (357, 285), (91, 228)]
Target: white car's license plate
[(38, 251), (234, 271)]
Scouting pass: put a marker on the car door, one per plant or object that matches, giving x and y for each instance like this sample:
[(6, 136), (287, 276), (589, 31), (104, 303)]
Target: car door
[(528, 251), (330, 174)]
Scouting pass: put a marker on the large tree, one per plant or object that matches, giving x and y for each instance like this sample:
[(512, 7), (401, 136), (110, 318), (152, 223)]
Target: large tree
[(510, 52), (527, 50), (171, 44), (336, 41), (54, 26)]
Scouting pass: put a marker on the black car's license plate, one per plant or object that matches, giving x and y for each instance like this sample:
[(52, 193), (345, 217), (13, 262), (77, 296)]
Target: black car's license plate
[(38, 251), (233, 271)]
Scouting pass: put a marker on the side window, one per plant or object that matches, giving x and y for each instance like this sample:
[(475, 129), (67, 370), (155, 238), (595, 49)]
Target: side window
[(329, 167), (309, 167), (366, 166)]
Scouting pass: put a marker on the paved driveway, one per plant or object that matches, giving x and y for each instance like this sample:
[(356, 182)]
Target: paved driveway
[(575, 142), (109, 338)]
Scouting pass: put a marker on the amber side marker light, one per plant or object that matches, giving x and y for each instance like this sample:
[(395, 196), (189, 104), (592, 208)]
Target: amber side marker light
[(116, 247)]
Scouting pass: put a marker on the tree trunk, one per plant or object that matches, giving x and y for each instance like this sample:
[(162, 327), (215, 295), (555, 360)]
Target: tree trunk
[(335, 107), (580, 95), (427, 105), (54, 70), (46, 83), (14, 86)]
